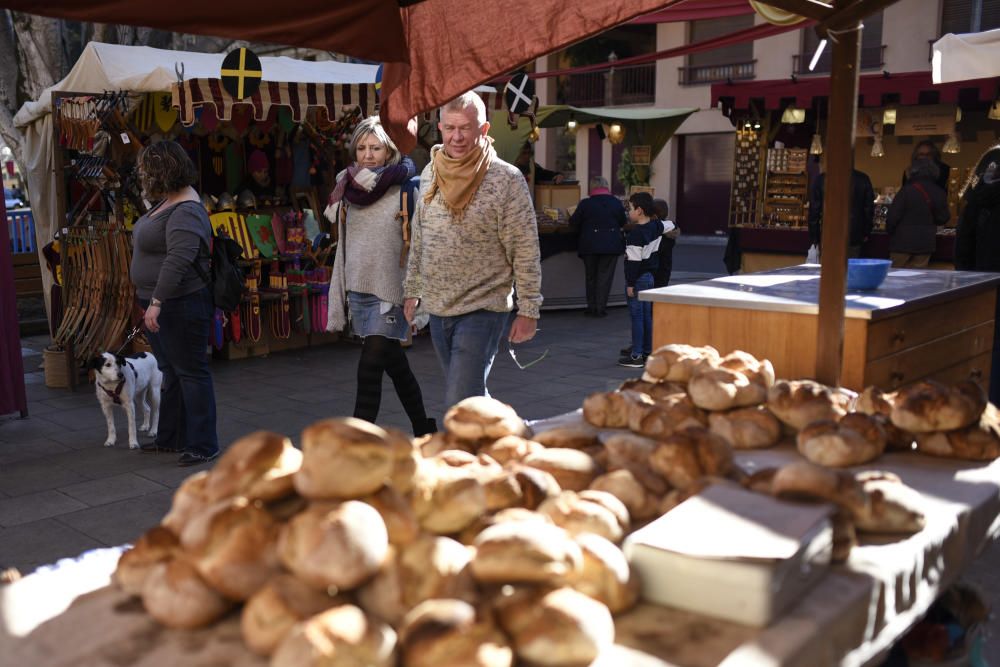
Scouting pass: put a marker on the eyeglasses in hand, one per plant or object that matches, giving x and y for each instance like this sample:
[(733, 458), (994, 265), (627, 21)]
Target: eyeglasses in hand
[(526, 365)]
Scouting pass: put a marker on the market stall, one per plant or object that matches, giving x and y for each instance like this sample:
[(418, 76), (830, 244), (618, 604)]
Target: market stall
[(562, 271), (778, 153), (265, 164)]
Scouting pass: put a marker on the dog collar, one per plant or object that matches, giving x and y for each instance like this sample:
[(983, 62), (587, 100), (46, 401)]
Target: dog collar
[(115, 395)]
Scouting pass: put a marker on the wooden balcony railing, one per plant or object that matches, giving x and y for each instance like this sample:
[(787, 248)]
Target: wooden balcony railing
[(633, 84), (690, 76), (872, 57)]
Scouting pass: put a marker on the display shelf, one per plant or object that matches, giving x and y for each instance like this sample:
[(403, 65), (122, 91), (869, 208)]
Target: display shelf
[(744, 198)]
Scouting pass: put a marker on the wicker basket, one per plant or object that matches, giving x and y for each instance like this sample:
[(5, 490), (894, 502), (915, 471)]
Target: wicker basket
[(56, 376)]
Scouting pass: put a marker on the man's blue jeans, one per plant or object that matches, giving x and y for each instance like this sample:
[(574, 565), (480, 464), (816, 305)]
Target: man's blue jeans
[(465, 346), (187, 398), (641, 314)]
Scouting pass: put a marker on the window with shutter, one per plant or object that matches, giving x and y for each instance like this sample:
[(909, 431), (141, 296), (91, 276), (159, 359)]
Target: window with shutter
[(959, 16), (727, 62), (871, 47)]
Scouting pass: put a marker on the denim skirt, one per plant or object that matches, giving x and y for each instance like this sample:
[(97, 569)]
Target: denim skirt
[(367, 318)]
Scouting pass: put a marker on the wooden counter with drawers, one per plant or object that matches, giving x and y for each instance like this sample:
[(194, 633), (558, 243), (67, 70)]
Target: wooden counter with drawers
[(918, 324)]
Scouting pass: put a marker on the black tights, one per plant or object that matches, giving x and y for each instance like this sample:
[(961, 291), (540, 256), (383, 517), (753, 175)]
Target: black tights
[(380, 354)]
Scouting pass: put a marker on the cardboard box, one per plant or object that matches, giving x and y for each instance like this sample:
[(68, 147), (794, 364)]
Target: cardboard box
[(732, 554)]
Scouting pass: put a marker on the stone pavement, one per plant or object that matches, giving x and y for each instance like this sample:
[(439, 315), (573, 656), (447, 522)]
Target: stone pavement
[(62, 493)]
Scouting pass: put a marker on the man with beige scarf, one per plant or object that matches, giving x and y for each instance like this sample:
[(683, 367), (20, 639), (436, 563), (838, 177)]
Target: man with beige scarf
[(474, 240)]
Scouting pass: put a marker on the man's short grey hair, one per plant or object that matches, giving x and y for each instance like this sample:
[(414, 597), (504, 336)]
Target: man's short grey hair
[(463, 102), (598, 182), (373, 125), (924, 168)]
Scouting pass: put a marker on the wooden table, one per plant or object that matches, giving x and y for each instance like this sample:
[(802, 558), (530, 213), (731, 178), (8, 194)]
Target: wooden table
[(918, 324)]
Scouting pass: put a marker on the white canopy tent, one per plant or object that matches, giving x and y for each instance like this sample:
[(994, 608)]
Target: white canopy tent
[(967, 56)]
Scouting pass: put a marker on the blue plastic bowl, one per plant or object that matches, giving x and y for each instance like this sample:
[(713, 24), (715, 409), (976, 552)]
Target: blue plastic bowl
[(866, 273)]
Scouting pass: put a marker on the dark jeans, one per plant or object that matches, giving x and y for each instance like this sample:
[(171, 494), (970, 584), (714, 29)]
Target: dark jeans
[(466, 346), (600, 273), (641, 313), (187, 398)]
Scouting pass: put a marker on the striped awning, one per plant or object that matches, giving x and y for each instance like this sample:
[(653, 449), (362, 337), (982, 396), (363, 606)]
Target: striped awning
[(335, 98)]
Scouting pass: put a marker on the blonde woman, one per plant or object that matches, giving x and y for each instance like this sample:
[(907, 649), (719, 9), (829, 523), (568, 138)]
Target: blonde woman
[(367, 276)]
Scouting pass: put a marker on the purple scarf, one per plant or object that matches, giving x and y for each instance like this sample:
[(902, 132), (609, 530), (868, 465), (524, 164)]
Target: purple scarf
[(387, 177)]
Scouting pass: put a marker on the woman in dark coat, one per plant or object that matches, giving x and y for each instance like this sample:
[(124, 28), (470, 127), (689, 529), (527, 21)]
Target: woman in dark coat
[(919, 208), (599, 219)]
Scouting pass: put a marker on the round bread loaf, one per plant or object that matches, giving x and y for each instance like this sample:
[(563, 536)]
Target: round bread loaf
[(405, 457), (801, 480), (446, 499), (576, 436), (272, 611), (482, 417), (525, 551), (609, 409), (536, 485), (855, 439), (928, 406), (632, 452), (334, 546), (436, 567), (577, 515), (746, 428), (758, 371), (449, 633), (503, 491), (872, 401), (978, 442), (258, 465), (798, 403), (510, 448), (511, 514), (189, 499), (382, 595), (435, 443), (573, 469), (239, 554), (343, 636), (660, 418), (687, 455), (623, 485), (606, 575), (557, 628), (176, 596), (155, 546), (678, 362), (761, 481), (893, 508), (343, 458), (658, 391), (397, 513), (717, 388)]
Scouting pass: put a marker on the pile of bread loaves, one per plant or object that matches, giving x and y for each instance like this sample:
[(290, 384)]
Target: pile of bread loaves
[(474, 546), (487, 544)]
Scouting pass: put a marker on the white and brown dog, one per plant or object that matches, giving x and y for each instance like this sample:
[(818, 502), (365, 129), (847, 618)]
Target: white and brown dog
[(120, 381)]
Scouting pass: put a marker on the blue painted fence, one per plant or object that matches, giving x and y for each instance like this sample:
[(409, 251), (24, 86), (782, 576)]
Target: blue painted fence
[(21, 226)]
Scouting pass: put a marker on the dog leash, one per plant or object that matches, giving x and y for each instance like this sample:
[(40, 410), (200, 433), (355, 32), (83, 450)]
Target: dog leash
[(128, 339)]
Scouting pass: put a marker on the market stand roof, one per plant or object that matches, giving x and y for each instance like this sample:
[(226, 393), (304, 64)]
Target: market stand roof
[(143, 69)]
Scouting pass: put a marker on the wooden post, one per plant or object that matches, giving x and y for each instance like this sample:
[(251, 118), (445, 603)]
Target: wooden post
[(846, 56)]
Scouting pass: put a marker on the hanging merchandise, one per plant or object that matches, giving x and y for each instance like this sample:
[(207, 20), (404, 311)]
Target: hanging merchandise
[(241, 118), (285, 120), (144, 113), (259, 225), (283, 167), (235, 168), (251, 309), (301, 161), (208, 120)]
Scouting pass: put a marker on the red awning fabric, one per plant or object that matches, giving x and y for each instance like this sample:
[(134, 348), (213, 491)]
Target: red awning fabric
[(370, 29), (698, 11), (335, 98), (871, 90)]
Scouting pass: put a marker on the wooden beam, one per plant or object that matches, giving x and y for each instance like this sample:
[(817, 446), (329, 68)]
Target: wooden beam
[(837, 204), (811, 9)]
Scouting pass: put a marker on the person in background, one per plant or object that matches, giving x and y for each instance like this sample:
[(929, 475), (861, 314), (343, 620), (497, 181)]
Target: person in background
[(977, 248), (926, 150), (167, 242), (599, 219), (643, 236), (526, 160), (862, 215), (475, 238), (671, 233), (919, 208), (367, 272)]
